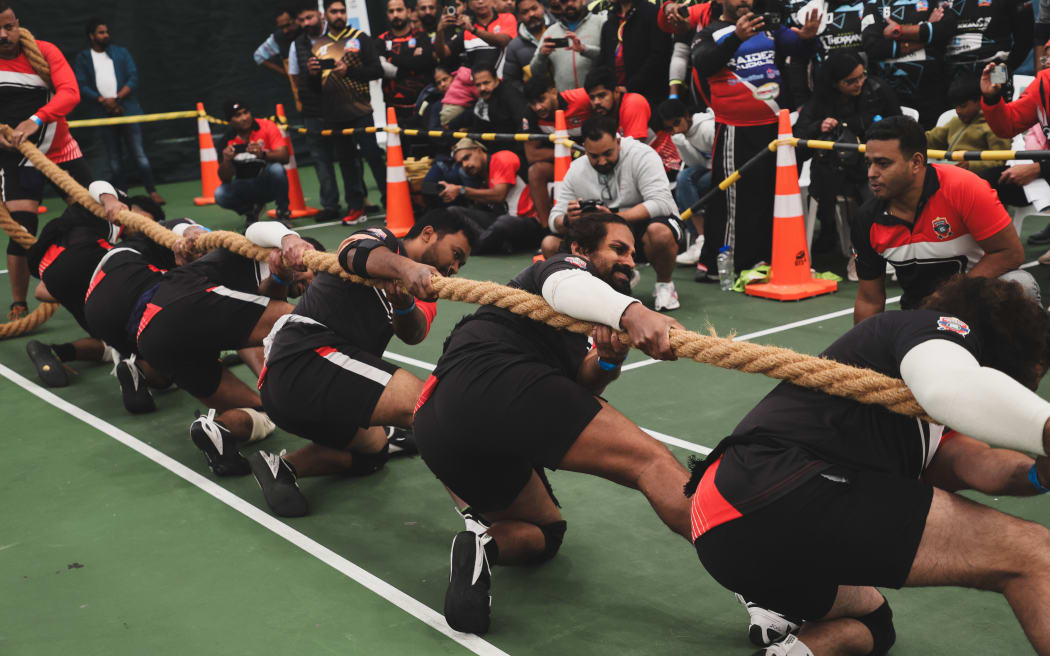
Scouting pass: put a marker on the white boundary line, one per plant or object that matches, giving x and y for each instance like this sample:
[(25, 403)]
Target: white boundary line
[(340, 222), (377, 585), (3, 271)]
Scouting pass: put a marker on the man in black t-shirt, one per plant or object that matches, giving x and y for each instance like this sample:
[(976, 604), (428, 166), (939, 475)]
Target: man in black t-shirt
[(325, 378), (511, 396), (815, 500)]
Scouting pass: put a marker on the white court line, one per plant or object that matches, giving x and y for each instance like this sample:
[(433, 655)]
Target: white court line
[(3, 271), (377, 585), (407, 360), (335, 223)]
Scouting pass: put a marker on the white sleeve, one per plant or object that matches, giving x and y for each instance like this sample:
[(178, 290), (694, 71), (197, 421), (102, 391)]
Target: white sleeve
[(678, 70), (99, 187), (582, 296), (389, 70), (293, 60), (982, 402), (181, 229), (267, 233)]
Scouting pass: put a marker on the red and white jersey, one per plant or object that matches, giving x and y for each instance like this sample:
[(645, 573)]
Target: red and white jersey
[(23, 93), (633, 116), (503, 169)]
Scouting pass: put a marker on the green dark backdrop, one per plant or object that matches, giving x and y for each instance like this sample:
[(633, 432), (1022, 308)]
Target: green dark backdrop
[(189, 52)]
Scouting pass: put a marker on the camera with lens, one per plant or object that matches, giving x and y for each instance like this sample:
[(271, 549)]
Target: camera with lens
[(840, 161), (773, 13), (588, 205)]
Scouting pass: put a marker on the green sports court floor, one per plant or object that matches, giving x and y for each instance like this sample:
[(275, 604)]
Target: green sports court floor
[(115, 538)]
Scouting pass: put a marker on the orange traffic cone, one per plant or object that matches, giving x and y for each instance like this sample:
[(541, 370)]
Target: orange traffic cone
[(790, 278), (399, 217), (296, 202), (562, 154), (209, 161)]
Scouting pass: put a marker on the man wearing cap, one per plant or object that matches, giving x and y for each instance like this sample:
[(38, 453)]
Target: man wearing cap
[(252, 165), (502, 210)]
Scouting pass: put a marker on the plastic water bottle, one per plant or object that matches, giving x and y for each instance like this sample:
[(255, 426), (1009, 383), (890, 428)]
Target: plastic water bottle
[(725, 268)]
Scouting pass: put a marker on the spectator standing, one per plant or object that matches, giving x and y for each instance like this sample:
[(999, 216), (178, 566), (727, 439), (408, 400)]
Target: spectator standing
[(986, 31), (568, 65), (636, 49), (735, 60), (408, 64), (625, 177), (532, 21), (252, 168), (840, 31), (427, 10), (273, 52), (905, 44), (477, 36), (36, 102), (108, 83)]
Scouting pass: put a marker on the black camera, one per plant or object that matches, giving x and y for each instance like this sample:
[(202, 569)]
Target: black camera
[(327, 64), (588, 205), (771, 20), (773, 13), (683, 11), (429, 188)]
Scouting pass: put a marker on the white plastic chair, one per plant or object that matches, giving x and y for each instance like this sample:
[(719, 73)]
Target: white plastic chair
[(910, 112)]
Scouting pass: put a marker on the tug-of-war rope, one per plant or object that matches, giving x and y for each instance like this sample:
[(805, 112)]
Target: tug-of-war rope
[(808, 371)]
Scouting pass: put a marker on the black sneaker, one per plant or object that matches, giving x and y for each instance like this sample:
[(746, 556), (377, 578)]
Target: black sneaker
[(283, 215), (401, 441), (468, 604), (133, 388), (252, 215), (328, 214), (218, 446), (1040, 238), (276, 479), (50, 369)]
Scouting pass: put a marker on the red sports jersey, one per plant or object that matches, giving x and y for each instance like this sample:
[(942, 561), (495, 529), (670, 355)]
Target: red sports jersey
[(500, 24), (265, 132), (23, 93), (633, 117), (503, 169)]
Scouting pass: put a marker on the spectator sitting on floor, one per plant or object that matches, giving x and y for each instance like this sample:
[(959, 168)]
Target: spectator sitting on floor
[(252, 168), (694, 137), (108, 83), (626, 177)]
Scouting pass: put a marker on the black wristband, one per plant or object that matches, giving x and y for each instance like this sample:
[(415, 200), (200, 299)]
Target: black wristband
[(343, 256)]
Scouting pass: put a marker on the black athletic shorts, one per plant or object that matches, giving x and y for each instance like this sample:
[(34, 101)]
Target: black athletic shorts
[(27, 183), (62, 272), (638, 229), (118, 282), (187, 323), (325, 394), (792, 555), (489, 423)]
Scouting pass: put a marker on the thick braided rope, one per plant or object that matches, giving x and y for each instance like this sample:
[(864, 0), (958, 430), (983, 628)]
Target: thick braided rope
[(14, 229), (44, 311), (36, 58), (828, 376)]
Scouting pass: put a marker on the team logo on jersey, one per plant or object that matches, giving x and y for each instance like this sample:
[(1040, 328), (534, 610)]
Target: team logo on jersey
[(389, 45), (921, 6), (951, 324), (412, 42), (767, 91), (353, 44), (942, 228), (984, 3), (577, 261)]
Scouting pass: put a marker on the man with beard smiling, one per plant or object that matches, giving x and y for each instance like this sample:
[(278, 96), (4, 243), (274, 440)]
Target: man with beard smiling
[(511, 396)]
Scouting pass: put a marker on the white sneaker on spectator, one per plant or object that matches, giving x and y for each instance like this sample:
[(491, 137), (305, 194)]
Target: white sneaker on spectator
[(691, 255), (665, 297)]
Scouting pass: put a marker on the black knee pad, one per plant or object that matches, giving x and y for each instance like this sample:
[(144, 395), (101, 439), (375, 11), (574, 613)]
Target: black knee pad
[(553, 534), (880, 623), (369, 463), (29, 221)]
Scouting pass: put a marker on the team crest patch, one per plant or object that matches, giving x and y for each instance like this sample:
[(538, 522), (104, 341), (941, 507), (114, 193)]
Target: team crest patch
[(577, 261), (767, 91), (354, 44), (951, 324), (942, 228), (921, 6)]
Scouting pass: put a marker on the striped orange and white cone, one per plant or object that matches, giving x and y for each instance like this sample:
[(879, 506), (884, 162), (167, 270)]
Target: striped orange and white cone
[(562, 154), (296, 202), (790, 278), (209, 160), (399, 217)]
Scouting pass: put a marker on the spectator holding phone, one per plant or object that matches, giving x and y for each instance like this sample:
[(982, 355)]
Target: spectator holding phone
[(570, 46), (252, 168), (532, 21)]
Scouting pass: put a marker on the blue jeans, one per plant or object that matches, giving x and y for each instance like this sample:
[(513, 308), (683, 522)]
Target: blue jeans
[(323, 151), (691, 183), (270, 185), (130, 136)]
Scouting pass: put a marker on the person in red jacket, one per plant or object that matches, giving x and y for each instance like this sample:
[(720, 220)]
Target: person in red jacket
[(36, 104)]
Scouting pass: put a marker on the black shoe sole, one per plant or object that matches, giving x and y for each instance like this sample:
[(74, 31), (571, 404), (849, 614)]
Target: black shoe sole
[(136, 401), (467, 607), (48, 367), (284, 500), (231, 465)]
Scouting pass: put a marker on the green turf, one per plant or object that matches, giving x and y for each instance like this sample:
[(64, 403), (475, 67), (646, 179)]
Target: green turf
[(169, 569)]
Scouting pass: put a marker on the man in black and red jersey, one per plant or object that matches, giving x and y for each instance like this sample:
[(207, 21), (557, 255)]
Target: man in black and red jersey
[(930, 221), (36, 108), (815, 501), (477, 36), (325, 378), (736, 57), (408, 65), (511, 396)]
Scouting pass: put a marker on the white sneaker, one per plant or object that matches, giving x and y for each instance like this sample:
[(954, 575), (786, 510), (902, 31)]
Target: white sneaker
[(766, 626), (665, 297), (789, 646), (691, 255)]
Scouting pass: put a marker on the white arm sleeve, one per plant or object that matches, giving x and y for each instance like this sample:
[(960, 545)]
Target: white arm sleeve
[(99, 187), (679, 67), (181, 229), (982, 402), (582, 296), (267, 233)]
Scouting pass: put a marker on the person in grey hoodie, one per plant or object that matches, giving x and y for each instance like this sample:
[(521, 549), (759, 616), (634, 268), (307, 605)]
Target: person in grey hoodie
[(626, 177), (532, 21), (568, 65)]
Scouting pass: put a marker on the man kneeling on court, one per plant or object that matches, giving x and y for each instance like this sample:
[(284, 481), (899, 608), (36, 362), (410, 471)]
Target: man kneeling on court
[(511, 396), (816, 500), (325, 377)]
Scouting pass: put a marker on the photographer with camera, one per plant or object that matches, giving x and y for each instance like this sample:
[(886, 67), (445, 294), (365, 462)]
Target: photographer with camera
[(625, 177), (570, 46), (252, 166), (844, 105), (735, 58), (475, 36)]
